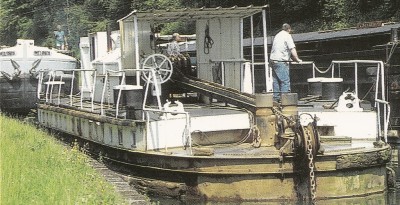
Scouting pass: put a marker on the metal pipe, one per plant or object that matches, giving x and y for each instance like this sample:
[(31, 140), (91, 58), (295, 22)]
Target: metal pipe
[(383, 94), (386, 119), (93, 89), (59, 91), (137, 56), (355, 78), (103, 93), (72, 88), (241, 55), (252, 53), (268, 72), (393, 35), (313, 70)]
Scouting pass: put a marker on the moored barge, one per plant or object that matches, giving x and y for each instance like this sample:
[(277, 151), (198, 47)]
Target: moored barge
[(240, 145)]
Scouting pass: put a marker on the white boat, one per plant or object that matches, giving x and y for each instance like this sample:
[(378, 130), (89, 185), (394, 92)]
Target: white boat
[(19, 70)]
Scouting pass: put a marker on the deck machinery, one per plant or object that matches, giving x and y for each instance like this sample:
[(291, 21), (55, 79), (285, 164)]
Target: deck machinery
[(240, 145)]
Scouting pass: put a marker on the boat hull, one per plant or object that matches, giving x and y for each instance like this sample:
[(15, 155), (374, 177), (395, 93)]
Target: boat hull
[(240, 173), (21, 66), (18, 96)]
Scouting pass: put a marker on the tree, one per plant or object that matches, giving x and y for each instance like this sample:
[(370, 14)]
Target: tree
[(37, 19)]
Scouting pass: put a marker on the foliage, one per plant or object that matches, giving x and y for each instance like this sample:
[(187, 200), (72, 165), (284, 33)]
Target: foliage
[(37, 19)]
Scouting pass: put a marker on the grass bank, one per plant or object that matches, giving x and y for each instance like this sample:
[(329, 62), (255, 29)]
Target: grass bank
[(36, 169)]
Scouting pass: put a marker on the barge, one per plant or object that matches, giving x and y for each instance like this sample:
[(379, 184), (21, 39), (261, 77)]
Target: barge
[(233, 144)]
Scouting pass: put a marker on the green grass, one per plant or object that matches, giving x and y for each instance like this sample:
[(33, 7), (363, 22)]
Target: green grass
[(36, 169)]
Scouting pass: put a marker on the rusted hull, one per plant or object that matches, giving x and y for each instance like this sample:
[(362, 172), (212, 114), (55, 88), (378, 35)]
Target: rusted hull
[(239, 173), (271, 187)]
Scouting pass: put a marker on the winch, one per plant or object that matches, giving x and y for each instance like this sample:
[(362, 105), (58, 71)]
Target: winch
[(292, 134)]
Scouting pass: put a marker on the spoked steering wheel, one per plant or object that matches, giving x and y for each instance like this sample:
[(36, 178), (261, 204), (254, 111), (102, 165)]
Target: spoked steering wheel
[(160, 64)]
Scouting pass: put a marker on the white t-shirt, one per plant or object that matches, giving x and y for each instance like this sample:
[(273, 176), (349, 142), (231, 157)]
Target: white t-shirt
[(173, 48), (283, 43)]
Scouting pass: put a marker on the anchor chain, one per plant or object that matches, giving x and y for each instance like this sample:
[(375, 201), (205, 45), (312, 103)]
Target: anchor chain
[(279, 113), (310, 156), (309, 152)]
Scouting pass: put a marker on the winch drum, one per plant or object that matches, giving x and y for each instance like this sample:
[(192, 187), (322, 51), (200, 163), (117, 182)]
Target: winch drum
[(332, 88), (315, 86)]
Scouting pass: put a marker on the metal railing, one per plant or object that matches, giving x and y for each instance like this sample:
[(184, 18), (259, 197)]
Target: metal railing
[(57, 78), (381, 105)]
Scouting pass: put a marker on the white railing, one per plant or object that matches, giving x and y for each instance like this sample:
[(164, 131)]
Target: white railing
[(57, 78), (380, 93), (106, 81), (186, 133)]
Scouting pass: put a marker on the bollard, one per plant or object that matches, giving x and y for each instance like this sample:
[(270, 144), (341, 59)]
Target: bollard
[(265, 119)]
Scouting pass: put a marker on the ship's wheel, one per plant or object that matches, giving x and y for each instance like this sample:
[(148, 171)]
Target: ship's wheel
[(160, 65)]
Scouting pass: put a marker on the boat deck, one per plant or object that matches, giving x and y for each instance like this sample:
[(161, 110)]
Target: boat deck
[(246, 150), (195, 110), (206, 118)]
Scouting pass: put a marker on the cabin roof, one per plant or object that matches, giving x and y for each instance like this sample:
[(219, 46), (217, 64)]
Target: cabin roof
[(344, 34), (185, 14), (319, 36)]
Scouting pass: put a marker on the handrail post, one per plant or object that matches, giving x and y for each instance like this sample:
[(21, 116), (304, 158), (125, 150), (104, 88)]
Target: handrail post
[(93, 90), (59, 90), (356, 78), (386, 119), (117, 105), (72, 87), (103, 93), (187, 129)]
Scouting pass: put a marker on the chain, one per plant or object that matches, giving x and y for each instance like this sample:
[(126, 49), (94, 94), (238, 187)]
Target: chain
[(279, 113), (311, 165), (309, 154)]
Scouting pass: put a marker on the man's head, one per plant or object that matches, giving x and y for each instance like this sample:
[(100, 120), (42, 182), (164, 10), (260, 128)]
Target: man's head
[(286, 27), (59, 27), (175, 36)]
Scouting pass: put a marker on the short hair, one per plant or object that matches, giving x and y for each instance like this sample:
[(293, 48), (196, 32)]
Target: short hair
[(286, 27), (175, 35)]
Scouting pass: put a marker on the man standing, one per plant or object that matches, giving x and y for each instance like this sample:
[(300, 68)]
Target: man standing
[(283, 49), (61, 40), (173, 47)]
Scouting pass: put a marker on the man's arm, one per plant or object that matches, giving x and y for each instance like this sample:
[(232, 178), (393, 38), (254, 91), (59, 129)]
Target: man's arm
[(294, 55)]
